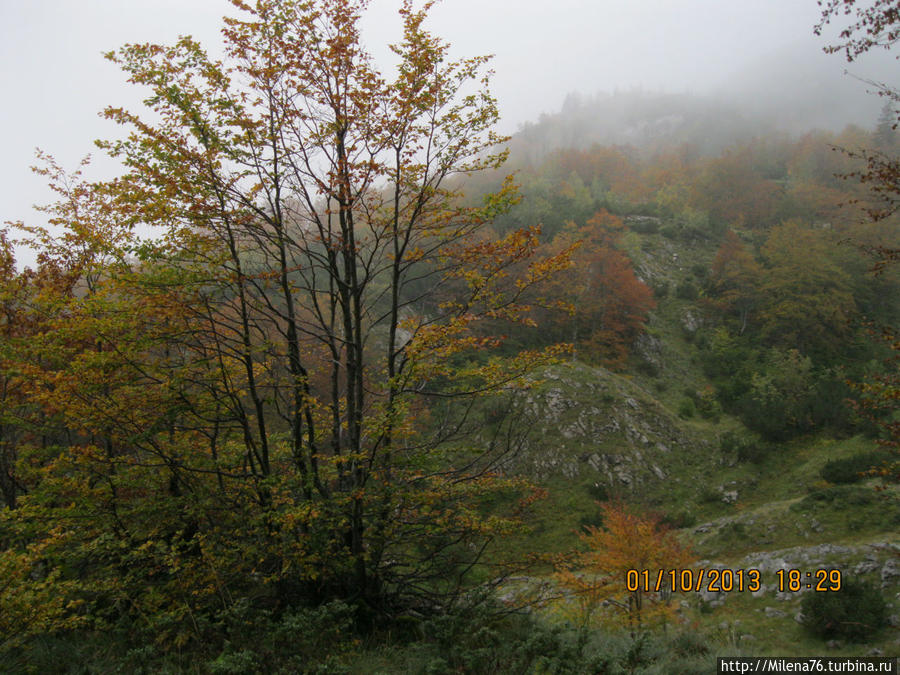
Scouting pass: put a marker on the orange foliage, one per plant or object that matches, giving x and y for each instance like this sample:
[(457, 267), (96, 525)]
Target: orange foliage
[(627, 541), (735, 277), (610, 303), (733, 192), (618, 172)]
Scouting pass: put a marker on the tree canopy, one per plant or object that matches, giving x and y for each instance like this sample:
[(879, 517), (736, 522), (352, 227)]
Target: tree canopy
[(243, 408)]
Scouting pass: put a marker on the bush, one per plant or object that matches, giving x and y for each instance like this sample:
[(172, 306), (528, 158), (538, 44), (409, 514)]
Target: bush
[(709, 496), (687, 291), (643, 224), (670, 231), (300, 639), (849, 470), (686, 408), (517, 643), (701, 340), (708, 405), (679, 520), (839, 497), (489, 639), (856, 612), (777, 403), (599, 492), (851, 509), (648, 368), (744, 447), (690, 643)]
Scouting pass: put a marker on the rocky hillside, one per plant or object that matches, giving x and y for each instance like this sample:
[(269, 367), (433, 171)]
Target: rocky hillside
[(596, 434)]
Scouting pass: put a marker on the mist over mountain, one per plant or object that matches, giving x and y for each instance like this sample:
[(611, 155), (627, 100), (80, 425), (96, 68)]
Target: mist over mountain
[(796, 90), (645, 121), (789, 91)]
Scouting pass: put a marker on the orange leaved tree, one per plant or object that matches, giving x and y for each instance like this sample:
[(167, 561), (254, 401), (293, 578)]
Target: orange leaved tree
[(610, 304), (614, 579)]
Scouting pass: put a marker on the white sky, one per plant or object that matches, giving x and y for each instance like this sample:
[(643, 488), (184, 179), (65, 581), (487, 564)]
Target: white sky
[(54, 80)]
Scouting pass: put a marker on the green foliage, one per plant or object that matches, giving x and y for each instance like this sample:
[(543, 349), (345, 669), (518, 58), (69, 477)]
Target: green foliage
[(776, 405), (490, 640), (787, 396), (686, 409), (729, 360), (234, 663), (300, 640), (687, 290), (661, 289), (513, 643), (852, 469), (839, 497), (679, 520), (699, 271), (744, 447), (709, 495), (851, 509), (706, 403), (598, 492), (644, 225), (242, 639), (806, 299), (670, 231), (856, 612), (777, 393), (690, 643), (648, 368)]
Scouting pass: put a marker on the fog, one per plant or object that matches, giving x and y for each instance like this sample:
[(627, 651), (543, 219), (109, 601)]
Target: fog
[(764, 53)]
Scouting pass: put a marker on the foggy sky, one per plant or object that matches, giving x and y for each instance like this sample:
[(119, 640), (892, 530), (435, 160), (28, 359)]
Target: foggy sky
[(54, 80)]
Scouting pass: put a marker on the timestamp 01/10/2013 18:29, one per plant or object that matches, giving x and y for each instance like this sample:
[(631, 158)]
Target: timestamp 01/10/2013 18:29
[(730, 580)]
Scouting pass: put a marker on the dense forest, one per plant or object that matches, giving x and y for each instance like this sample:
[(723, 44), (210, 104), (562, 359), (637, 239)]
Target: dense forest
[(385, 391)]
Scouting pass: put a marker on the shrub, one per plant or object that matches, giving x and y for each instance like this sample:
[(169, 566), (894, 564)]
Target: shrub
[(686, 290), (744, 447), (670, 231), (777, 403), (701, 341), (852, 509), (679, 520), (648, 368), (489, 639), (307, 639), (709, 496), (708, 405), (839, 497), (849, 470), (644, 225), (686, 408), (599, 492), (856, 612), (689, 643)]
